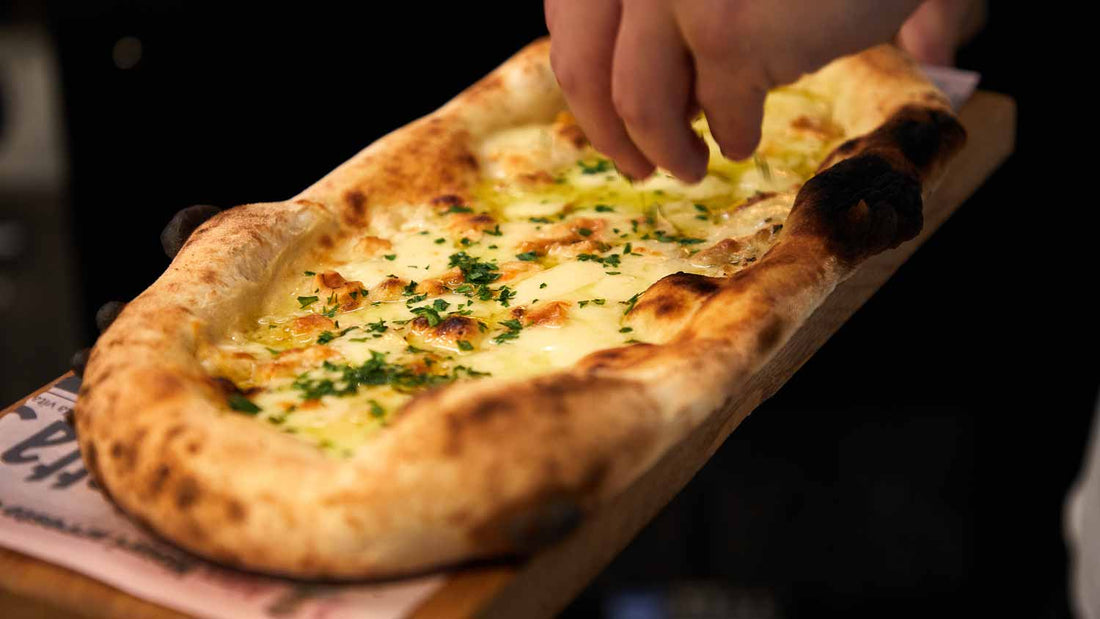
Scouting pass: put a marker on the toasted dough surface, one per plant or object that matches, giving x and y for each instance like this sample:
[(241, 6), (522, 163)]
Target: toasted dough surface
[(475, 468)]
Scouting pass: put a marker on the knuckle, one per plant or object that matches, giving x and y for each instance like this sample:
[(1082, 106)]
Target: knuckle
[(712, 41), (713, 35)]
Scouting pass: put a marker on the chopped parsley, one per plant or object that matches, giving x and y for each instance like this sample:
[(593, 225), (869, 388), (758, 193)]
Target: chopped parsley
[(528, 256), (376, 409), (629, 303), (459, 208), (464, 345), (374, 372), (704, 212), (601, 165), (428, 313), (242, 404), (305, 302), (475, 270), (327, 336), (514, 327), (664, 237), (611, 260)]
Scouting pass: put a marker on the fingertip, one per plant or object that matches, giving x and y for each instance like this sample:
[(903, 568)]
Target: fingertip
[(742, 146), (687, 163), (635, 172), (695, 169), (738, 152)]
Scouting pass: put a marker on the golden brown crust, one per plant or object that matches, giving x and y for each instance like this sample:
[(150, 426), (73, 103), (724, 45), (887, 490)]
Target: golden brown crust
[(483, 467)]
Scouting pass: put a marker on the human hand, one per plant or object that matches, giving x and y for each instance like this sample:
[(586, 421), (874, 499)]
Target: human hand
[(937, 28), (635, 71)]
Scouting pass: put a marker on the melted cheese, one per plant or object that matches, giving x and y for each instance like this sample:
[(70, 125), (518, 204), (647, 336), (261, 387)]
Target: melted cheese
[(557, 245)]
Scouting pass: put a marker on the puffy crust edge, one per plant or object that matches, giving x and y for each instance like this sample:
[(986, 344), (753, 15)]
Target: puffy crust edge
[(488, 467)]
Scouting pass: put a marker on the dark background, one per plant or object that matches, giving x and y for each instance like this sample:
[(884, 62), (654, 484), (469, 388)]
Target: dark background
[(916, 466)]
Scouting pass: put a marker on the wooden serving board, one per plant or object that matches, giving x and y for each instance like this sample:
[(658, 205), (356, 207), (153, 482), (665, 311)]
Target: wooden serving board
[(545, 584)]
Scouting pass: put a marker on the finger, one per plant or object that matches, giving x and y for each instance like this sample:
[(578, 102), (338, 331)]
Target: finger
[(933, 32), (107, 313), (182, 224), (651, 84), (79, 361), (733, 104), (582, 42)]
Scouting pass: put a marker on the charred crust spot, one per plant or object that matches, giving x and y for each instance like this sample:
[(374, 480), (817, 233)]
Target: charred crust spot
[(617, 357), (236, 511), (174, 432), (187, 493), (468, 160), (698, 284), (194, 447), (124, 454), (325, 241), (223, 385), (551, 394), (447, 199), (918, 136), (457, 327), (675, 295), (769, 336), (209, 277), (542, 524), (357, 205), (530, 523), (923, 134), (160, 476), (667, 306), (481, 219), (860, 206)]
